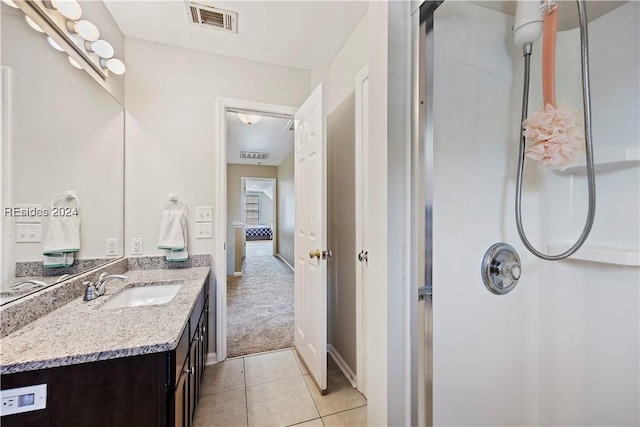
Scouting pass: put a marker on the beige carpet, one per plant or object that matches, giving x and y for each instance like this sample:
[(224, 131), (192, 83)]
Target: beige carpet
[(260, 303)]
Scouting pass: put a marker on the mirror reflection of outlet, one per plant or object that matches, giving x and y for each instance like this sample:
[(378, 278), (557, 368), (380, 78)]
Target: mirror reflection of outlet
[(204, 230), (112, 247), (136, 246)]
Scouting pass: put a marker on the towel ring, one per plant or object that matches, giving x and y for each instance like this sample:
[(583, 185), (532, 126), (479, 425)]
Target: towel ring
[(67, 196), (173, 198)]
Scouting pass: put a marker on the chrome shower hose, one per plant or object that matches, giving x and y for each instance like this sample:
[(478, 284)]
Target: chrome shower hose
[(591, 179)]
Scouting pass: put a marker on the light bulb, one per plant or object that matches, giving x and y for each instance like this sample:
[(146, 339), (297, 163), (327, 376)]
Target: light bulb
[(101, 48), (85, 29), (114, 65), (70, 9), (33, 24), (54, 45), (10, 3), (75, 63), (249, 119)]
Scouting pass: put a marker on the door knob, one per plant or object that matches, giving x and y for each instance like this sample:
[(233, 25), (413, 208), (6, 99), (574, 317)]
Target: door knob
[(315, 254), (363, 256)]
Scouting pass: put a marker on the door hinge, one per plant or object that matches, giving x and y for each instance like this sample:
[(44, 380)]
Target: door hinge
[(425, 293)]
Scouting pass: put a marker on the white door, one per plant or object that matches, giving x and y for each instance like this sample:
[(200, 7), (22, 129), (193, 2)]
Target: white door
[(362, 223), (311, 237)]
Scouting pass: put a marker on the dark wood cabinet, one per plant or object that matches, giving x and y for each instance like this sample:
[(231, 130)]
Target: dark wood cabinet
[(159, 389)]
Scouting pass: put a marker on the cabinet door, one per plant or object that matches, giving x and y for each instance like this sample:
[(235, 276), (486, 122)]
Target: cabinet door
[(181, 403), (193, 379)]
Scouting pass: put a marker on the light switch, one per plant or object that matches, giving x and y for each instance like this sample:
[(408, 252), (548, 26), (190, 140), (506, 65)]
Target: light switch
[(204, 213), (28, 233), (204, 230)]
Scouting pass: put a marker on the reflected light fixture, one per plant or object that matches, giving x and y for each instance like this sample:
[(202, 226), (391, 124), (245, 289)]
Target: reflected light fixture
[(70, 9), (54, 45), (10, 3), (101, 48), (74, 63), (85, 29), (249, 119), (33, 25), (114, 65)]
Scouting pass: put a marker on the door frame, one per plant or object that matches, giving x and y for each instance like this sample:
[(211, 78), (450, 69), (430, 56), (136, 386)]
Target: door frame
[(361, 167), (274, 213), (223, 105)]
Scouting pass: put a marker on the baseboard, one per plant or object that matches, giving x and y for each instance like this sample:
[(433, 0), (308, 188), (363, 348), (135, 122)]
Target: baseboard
[(238, 274), (346, 370), (281, 258), (212, 359)]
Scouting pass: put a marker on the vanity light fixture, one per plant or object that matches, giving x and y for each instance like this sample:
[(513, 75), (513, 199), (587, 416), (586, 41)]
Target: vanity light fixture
[(85, 29), (101, 48), (114, 65), (249, 119), (10, 3), (54, 45), (70, 9), (74, 63), (33, 25)]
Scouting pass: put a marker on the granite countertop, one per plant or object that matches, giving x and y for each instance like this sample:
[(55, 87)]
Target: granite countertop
[(81, 332)]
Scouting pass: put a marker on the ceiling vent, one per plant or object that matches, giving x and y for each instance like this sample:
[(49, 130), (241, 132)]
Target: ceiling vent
[(211, 17), (253, 155)]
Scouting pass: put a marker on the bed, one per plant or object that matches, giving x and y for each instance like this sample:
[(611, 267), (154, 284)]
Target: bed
[(259, 232)]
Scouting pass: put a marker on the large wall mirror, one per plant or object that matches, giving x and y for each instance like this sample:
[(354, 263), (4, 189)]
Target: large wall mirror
[(62, 164)]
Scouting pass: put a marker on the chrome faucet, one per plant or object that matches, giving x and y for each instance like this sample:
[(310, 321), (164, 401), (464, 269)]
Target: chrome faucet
[(34, 284), (95, 290), (63, 277)]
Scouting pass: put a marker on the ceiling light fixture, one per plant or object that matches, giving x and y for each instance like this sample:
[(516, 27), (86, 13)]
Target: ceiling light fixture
[(70, 9), (249, 119), (101, 48), (85, 29), (114, 65)]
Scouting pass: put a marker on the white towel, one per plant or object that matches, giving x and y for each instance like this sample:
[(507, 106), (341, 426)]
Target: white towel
[(61, 241), (172, 231), (173, 235)]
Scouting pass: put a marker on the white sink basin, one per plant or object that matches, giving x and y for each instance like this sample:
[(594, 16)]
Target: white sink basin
[(143, 295)]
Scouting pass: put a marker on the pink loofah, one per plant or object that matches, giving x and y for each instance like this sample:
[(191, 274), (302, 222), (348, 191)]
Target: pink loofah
[(556, 135)]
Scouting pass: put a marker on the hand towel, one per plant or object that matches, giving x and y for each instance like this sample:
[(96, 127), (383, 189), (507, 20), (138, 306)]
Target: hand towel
[(177, 255), (172, 230), (61, 241)]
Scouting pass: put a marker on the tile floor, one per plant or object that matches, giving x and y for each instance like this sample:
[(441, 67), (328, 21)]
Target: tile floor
[(274, 389)]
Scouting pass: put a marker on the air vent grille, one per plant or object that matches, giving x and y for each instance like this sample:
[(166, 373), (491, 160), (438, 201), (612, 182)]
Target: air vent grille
[(211, 17), (253, 155)]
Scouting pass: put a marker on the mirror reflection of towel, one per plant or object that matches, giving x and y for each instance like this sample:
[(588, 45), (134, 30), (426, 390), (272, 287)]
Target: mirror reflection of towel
[(61, 241)]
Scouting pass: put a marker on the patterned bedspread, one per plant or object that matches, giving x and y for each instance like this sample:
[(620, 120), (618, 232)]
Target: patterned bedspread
[(259, 232)]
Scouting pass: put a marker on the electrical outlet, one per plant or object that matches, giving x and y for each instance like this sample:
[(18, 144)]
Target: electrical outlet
[(112, 247), (204, 213), (28, 233), (204, 230), (136, 246)]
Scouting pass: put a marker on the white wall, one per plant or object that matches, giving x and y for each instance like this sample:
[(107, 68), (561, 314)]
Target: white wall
[(563, 347), (285, 196), (171, 99), (66, 134), (590, 312), (485, 347)]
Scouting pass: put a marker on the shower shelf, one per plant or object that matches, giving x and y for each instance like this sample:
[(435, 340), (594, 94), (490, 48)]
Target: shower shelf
[(606, 255), (607, 160)]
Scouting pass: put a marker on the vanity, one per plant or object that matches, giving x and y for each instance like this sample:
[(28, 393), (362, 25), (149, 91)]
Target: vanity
[(135, 362)]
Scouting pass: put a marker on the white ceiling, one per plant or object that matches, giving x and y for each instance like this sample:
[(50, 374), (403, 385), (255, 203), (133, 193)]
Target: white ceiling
[(268, 135), (298, 34)]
